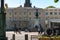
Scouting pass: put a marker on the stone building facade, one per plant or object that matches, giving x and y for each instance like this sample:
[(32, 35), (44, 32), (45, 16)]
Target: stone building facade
[(52, 13), (23, 17)]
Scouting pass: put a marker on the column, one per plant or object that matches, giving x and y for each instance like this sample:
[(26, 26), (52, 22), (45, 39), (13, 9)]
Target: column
[(49, 24)]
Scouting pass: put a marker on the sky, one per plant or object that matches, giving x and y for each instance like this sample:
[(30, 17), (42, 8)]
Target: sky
[(37, 3), (0, 3)]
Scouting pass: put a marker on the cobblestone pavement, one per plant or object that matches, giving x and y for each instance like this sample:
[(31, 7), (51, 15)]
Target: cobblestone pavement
[(20, 36)]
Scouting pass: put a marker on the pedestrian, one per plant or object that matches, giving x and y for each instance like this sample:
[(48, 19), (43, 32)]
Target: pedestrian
[(19, 30), (49, 31), (15, 30), (38, 30)]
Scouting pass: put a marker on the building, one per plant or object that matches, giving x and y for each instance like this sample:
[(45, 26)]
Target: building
[(52, 15), (21, 17)]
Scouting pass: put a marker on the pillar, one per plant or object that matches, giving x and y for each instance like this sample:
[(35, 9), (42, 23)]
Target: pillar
[(26, 36)]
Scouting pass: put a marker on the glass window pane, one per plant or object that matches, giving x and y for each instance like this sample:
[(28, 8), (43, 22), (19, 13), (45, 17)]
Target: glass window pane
[(55, 13), (59, 13), (46, 13), (29, 13), (51, 13), (15, 13)]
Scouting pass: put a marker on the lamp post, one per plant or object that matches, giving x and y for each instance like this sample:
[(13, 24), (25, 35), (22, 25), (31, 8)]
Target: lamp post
[(2, 22)]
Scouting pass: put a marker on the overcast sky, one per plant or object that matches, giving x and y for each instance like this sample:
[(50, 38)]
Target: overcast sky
[(37, 3), (0, 3)]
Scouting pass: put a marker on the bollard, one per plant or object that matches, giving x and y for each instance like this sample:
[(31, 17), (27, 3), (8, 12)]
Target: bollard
[(26, 36), (31, 37), (13, 37)]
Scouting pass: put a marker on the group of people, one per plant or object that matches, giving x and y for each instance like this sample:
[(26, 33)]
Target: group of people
[(17, 30)]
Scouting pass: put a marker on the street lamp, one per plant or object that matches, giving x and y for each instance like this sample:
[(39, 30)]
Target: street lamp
[(2, 22)]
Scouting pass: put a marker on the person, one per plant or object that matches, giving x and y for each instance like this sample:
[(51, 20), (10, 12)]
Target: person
[(15, 29), (19, 30), (38, 30), (49, 31), (41, 29)]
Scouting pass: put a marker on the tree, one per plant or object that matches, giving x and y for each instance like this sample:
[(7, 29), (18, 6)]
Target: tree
[(50, 7), (56, 1)]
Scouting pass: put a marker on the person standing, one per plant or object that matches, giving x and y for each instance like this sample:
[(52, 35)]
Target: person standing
[(19, 30)]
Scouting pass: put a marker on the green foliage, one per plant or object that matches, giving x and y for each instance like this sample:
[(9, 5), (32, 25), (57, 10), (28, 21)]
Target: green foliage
[(50, 7), (56, 1)]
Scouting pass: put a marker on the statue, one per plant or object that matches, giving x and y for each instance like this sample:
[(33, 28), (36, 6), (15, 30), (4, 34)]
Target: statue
[(36, 13)]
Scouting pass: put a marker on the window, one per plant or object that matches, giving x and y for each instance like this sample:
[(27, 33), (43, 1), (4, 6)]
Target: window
[(10, 18), (15, 13), (59, 9), (14, 18), (29, 13), (51, 9), (29, 18), (24, 13), (20, 18), (55, 9), (51, 13), (46, 13), (56, 17), (24, 18), (55, 13), (59, 13)]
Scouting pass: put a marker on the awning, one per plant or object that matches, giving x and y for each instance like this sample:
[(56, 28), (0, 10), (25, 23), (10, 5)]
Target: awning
[(54, 20)]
